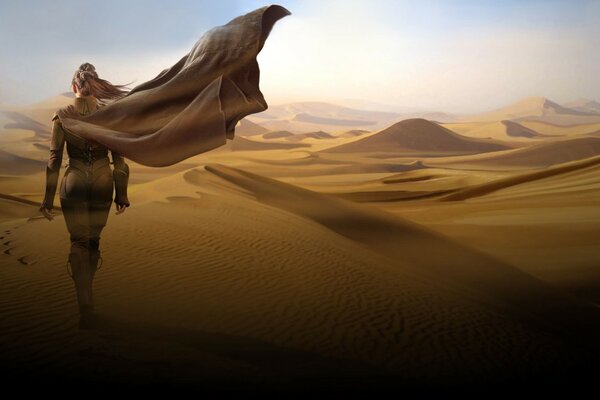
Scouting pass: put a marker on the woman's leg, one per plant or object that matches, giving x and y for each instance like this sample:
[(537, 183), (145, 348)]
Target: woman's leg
[(75, 208), (100, 200)]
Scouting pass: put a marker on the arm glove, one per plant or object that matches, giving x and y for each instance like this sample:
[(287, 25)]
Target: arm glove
[(121, 178)]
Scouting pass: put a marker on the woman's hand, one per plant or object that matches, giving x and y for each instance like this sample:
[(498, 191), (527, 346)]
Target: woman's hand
[(47, 213), (120, 208)]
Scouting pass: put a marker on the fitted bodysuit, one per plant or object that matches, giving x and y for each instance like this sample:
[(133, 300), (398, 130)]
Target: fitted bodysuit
[(86, 190)]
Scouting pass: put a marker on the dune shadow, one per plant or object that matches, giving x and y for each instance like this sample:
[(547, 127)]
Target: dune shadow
[(284, 367)]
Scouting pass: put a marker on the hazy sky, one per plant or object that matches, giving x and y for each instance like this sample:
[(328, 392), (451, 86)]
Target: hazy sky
[(460, 56)]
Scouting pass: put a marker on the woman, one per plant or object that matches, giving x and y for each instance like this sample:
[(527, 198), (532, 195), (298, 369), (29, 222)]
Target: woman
[(188, 109), (86, 190)]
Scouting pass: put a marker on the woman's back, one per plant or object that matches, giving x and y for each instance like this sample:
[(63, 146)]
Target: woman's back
[(82, 153), (88, 161), (87, 187)]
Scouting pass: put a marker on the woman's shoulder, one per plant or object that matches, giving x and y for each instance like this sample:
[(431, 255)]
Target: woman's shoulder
[(66, 111)]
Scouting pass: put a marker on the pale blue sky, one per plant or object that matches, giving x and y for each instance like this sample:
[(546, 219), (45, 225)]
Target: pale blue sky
[(459, 56)]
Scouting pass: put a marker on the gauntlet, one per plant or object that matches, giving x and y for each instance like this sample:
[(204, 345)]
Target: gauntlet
[(121, 178), (51, 183), (57, 143)]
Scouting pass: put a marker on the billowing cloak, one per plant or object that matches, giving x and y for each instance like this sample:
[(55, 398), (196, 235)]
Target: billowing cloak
[(191, 107)]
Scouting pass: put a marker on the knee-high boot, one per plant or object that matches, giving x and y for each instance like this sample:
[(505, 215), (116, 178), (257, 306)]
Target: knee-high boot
[(95, 264), (81, 273)]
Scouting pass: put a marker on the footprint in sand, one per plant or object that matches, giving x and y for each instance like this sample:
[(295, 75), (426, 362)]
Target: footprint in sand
[(7, 251), (26, 260)]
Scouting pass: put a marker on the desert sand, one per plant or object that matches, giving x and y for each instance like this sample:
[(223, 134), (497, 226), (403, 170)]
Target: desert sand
[(318, 262)]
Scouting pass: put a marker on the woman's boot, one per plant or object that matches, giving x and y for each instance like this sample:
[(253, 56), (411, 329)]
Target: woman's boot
[(95, 264), (81, 273)]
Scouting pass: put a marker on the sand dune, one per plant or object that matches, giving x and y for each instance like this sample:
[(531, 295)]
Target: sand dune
[(542, 154), (303, 117), (241, 264), (277, 134), (562, 130), (324, 110), (243, 144), (13, 207), (514, 129), (418, 135), (377, 230), (536, 108), (329, 173), (248, 128), (54, 102), (507, 131), (314, 119), (389, 195), (41, 112), (438, 117), (310, 135), (549, 227), (299, 127), (584, 105), (306, 159), (21, 121), (228, 270), (316, 164), (483, 189), (370, 168), (354, 132), (12, 164)]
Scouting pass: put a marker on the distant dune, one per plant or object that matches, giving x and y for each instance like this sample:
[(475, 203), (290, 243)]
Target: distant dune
[(418, 135), (277, 134), (325, 110), (21, 121), (248, 128), (584, 105), (562, 130), (296, 126), (305, 117), (515, 129), (542, 154), (439, 117), (310, 135), (242, 144), (354, 132), (42, 111), (524, 131), (58, 101), (536, 108)]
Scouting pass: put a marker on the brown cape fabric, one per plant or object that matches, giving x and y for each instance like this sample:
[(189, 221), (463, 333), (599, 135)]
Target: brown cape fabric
[(193, 106)]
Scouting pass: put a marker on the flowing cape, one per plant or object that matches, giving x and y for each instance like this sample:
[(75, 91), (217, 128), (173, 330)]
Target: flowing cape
[(191, 107)]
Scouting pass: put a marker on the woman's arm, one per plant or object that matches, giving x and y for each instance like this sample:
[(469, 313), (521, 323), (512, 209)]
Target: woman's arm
[(121, 178), (57, 144)]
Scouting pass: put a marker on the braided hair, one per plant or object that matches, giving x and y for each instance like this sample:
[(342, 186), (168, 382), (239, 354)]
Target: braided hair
[(88, 83)]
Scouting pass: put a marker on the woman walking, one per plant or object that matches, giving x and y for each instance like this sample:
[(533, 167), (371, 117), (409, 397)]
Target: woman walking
[(86, 190), (189, 108)]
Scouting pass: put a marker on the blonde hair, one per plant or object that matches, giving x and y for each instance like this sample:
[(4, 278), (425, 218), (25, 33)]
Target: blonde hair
[(88, 83)]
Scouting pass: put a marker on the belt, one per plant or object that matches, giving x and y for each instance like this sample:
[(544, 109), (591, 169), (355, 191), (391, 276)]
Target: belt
[(87, 165)]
